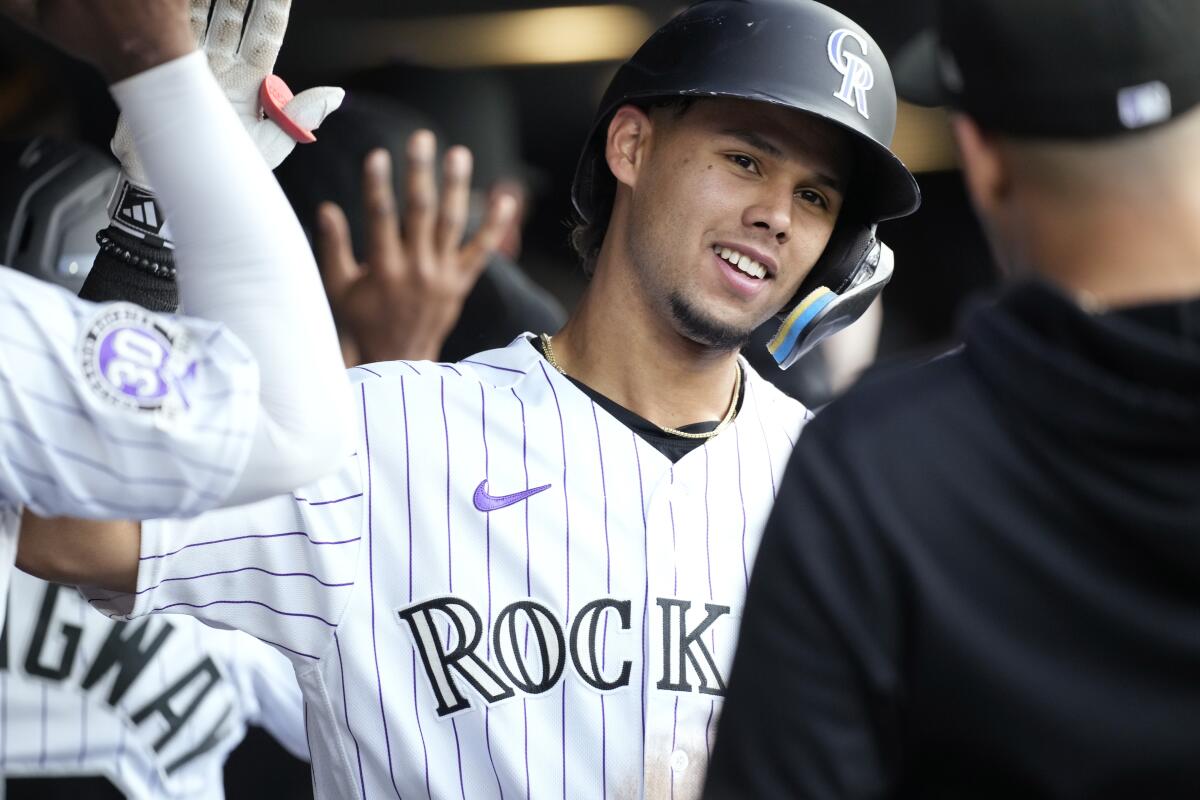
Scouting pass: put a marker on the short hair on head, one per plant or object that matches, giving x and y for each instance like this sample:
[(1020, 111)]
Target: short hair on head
[(1141, 161), (587, 236)]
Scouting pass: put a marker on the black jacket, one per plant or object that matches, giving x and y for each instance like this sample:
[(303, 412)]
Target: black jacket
[(982, 578)]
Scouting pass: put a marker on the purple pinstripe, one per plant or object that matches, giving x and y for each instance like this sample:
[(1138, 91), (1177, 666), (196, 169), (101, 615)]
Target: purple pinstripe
[(233, 571), (607, 589), (712, 707), (420, 730), (674, 562), (674, 729), (567, 513), (487, 527), (371, 585), (766, 444), (346, 712), (783, 426), (408, 501), (246, 536), (462, 788), (528, 578), (487, 523), (42, 757), (487, 738), (737, 444), (243, 602), (446, 435), (325, 502), (75, 411), (365, 369), (712, 635), (491, 366), (646, 600), (450, 569), (312, 773), (270, 608), (109, 506), (707, 545), (104, 469), (264, 640)]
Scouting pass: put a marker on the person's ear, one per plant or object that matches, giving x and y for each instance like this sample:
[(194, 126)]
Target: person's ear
[(629, 134), (984, 169)]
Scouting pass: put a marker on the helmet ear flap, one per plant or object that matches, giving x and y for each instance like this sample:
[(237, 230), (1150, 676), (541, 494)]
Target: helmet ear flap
[(839, 263), (850, 274)]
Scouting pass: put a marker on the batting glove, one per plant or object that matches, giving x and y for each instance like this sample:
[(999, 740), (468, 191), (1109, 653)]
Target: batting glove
[(241, 48)]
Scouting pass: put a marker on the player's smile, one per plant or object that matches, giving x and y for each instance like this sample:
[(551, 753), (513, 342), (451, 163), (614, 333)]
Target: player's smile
[(746, 270)]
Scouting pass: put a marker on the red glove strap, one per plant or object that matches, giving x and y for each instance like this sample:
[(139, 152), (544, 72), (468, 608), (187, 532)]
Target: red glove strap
[(274, 94)]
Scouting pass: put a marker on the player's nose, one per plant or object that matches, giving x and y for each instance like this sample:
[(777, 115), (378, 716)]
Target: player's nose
[(771, 213)]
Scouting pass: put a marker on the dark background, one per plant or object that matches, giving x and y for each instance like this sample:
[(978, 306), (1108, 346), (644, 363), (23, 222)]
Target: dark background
[(940, 256)]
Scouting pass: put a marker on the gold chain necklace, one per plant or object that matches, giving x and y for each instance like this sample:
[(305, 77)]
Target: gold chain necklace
[(548, 347)]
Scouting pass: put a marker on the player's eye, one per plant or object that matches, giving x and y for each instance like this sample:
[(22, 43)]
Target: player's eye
[(744, 161), (812, 197)]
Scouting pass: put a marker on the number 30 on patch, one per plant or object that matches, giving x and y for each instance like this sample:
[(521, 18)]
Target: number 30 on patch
[(136, 360)]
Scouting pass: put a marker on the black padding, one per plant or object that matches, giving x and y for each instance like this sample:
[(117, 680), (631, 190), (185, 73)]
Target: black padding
[(114, 279)]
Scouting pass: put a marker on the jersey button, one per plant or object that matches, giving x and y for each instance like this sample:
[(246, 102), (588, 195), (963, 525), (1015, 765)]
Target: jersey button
[(679, 761)]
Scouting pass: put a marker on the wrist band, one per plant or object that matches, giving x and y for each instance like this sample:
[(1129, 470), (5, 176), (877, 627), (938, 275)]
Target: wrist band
[(137, 253), (134, 211)]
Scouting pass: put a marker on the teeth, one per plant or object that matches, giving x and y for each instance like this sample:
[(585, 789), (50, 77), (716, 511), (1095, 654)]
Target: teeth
[(745, 264)]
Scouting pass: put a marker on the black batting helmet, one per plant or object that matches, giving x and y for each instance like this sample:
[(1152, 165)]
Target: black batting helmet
[(55, 198), (795, 54)]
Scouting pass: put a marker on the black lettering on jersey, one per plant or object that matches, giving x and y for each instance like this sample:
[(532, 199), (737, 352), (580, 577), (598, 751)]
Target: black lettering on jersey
[(512, 649), (682, 647), (590, 670), (123, 649), (214, 737), (205, 670), (70, 635), (468, 628)]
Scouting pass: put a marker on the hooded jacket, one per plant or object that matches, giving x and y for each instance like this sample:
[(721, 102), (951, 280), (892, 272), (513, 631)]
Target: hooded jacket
[(982, 577)]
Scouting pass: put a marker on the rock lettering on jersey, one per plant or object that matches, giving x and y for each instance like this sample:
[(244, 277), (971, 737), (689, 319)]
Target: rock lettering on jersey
[(530, 648), (52, 651)]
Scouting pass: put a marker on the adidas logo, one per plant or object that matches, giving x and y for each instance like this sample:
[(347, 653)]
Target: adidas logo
[(138, 210)]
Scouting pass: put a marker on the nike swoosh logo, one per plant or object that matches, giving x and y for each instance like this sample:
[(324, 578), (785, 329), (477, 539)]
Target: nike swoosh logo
[(486, 502)]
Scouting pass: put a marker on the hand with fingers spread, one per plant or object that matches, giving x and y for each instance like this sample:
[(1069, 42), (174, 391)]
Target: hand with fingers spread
[(405, 299)]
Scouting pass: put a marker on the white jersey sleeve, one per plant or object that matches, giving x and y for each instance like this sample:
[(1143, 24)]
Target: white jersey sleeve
[(281, 569), (112, 411)]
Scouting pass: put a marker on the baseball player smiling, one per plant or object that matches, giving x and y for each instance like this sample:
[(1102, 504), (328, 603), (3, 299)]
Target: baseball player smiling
[(526, 580)]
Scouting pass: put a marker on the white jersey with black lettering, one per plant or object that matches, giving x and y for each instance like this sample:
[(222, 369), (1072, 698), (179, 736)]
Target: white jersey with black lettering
[(505, 592), (155, 706), (108, 410)]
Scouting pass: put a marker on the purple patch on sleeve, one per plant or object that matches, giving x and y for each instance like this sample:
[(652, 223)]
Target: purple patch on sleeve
[(138, 360), (131, 359)]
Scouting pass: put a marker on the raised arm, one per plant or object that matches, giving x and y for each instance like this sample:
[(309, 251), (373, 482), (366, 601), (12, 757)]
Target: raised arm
[(242, 257)]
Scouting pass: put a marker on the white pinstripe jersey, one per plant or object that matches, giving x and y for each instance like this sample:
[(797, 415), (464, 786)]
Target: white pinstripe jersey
[(154, 706), (111, 411), (455, 640)]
